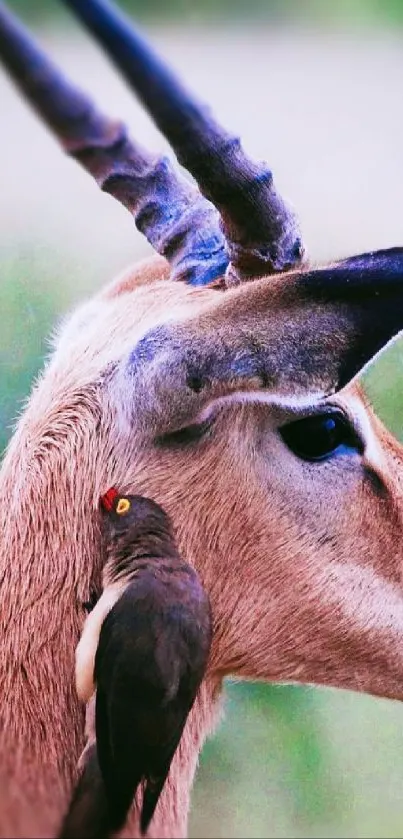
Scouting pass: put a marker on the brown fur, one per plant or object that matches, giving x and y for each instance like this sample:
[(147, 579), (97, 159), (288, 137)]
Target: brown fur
[(302, 561)]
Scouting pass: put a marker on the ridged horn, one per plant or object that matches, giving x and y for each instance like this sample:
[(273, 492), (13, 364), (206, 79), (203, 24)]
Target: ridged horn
[(176, 219), (262, 232)]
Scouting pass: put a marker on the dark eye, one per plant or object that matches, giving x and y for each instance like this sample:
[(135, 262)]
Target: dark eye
[(320, 435)]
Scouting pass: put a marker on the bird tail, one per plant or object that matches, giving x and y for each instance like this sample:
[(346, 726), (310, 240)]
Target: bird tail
[(151, 794), (88, 816), (117, 758)]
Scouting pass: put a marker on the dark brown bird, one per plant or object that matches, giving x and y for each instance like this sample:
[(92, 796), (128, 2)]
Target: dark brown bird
[(150, 659)]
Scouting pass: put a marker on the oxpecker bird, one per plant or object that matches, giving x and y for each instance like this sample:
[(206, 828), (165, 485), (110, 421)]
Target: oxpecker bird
[(144, 650)]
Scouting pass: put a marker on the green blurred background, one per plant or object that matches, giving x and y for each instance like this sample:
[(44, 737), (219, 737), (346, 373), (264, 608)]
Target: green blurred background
[(316, 88), (279, 10)]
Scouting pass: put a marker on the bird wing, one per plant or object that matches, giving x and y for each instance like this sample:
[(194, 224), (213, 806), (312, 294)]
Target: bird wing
[(146, 684)]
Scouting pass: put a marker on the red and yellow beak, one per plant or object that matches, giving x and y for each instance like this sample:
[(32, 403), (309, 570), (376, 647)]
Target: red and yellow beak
[(108, 500)]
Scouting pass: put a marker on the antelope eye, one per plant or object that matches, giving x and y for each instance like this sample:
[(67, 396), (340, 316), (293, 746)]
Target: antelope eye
[(321, 435)]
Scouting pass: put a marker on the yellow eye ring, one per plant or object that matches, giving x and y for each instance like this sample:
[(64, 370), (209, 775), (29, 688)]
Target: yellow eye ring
[(123, 506)]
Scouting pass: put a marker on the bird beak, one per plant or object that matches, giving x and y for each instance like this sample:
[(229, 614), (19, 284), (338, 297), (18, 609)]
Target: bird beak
[(107, 501)]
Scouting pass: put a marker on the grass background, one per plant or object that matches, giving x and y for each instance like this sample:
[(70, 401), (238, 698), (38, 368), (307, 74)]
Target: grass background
[(358, 12)]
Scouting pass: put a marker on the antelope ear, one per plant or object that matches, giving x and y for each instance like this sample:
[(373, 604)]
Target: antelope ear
[(389, 259), (363, 297)]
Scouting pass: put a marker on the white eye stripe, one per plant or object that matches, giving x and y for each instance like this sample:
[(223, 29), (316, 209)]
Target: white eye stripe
[(302, 405)]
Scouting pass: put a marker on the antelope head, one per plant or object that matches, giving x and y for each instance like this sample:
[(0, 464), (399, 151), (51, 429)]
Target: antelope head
[(220, 379)]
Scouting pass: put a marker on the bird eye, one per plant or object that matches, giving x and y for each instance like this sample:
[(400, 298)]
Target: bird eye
[(123, 506), (321, 435)]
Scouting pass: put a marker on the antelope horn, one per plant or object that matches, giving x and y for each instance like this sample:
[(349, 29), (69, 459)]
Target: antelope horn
[(176, 219), (262, 233)]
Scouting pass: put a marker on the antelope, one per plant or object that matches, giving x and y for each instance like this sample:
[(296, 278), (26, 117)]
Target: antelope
[(219, 378)]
